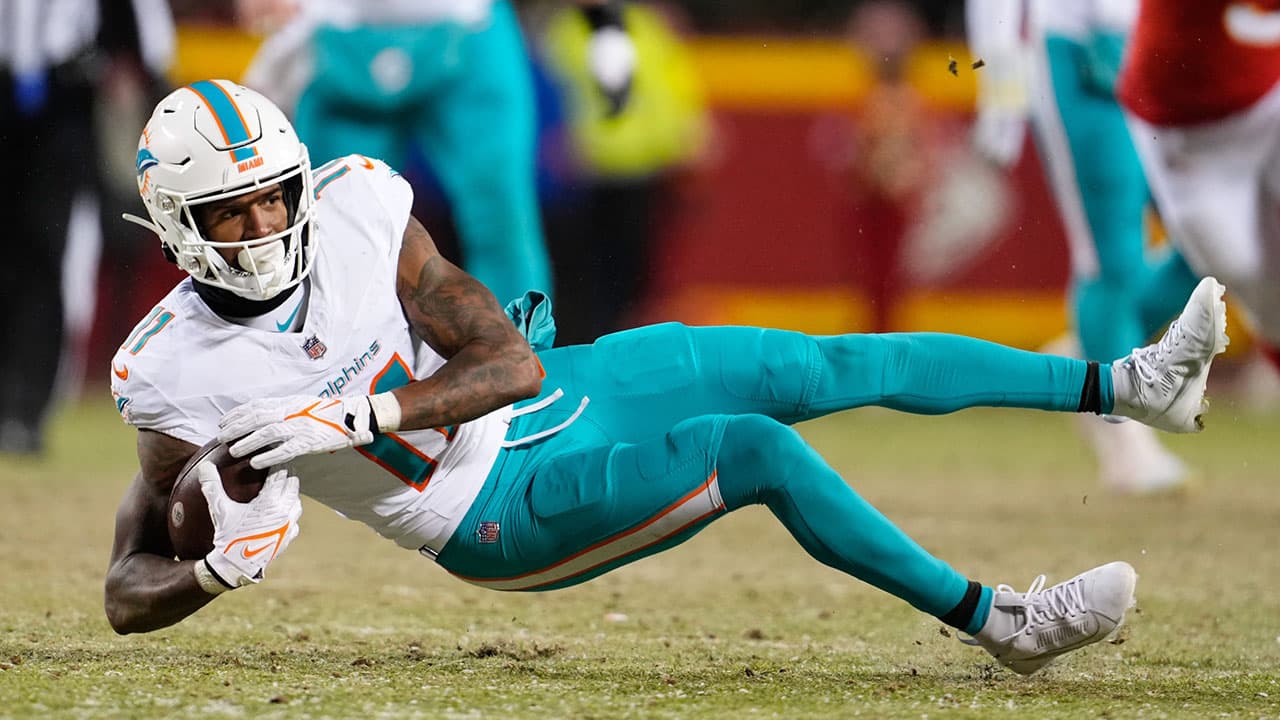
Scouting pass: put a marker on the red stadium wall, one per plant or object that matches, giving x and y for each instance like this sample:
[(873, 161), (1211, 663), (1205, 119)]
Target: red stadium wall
[(771, 236), (772, 233)]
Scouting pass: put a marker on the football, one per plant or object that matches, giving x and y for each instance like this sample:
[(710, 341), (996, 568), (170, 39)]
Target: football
[(190, 525)]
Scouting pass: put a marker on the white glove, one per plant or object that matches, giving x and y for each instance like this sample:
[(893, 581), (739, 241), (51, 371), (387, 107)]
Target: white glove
[(998, 135), (1000, 124), (301, 425), (247, 536), (611, 55)]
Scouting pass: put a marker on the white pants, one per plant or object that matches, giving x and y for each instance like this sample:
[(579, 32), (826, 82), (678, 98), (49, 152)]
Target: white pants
[(1217, 186)]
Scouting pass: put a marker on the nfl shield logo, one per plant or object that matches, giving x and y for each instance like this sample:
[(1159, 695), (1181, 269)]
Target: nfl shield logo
[(488, 532), (315, 349)]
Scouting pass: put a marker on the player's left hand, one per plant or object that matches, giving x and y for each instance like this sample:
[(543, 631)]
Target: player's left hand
[(611, 55), (296, 425)]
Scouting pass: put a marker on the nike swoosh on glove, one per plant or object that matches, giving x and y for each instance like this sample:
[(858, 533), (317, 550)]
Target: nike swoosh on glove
[(248, 536), (295, 426)]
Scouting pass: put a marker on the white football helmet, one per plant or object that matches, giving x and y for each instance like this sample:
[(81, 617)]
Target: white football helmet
[(210, 141)]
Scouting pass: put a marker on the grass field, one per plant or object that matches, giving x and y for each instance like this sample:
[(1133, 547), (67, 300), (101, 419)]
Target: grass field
[(736, 623)]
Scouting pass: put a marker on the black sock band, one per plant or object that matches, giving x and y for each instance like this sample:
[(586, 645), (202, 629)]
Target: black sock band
[(962, 614), (1091, 393)]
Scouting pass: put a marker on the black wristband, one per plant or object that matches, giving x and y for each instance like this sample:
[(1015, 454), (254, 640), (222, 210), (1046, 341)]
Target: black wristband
[(606, 14)]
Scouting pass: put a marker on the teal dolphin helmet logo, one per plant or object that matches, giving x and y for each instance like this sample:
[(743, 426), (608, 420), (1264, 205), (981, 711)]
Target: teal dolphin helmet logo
[(146, 161)]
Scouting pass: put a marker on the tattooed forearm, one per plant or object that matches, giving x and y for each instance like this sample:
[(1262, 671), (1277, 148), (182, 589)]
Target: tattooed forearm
[(489, 364), (451, 309)]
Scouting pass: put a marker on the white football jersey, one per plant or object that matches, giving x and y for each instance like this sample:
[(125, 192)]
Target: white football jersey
[(351, 13), (183, 367)]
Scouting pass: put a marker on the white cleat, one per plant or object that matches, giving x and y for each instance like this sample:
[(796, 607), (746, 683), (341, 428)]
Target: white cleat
[(1162, 385), (1162, 474), (1131, 460), (1026, 631)]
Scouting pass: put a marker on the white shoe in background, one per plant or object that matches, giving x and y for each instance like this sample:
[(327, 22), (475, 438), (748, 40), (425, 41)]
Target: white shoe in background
[(1131, 459)]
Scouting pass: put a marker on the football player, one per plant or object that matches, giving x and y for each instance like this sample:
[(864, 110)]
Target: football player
[(450, 78), (321, 333), (1200, 88), (1063, 75)]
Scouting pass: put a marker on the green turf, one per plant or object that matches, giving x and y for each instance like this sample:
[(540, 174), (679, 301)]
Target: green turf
[(736, 623)]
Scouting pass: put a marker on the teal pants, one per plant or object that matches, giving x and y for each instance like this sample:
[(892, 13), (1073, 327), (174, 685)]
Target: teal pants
[(464, 96), (685, 424), (1120, 296)]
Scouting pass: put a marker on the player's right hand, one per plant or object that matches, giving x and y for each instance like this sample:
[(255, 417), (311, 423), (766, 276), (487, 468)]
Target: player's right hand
[(1000, 121), (998, 136), (248, 536)]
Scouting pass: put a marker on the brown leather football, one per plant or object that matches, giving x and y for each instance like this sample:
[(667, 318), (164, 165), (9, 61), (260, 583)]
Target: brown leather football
[(190, 525)]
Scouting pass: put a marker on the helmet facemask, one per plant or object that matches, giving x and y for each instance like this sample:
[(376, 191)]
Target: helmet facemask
[(261, 267)]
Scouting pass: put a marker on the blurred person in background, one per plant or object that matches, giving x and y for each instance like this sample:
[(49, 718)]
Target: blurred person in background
[(1205, 118), (450, 76), (1062, 75), (924, 205), (63, 60), (895, 149), (629, 164)]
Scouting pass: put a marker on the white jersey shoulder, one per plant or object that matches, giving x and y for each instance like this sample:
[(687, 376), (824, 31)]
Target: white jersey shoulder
[(184, 366), (348, 14), (350, 191), (150, 370)]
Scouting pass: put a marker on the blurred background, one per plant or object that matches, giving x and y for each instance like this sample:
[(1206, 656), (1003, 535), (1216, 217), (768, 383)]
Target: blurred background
[(802, 165)]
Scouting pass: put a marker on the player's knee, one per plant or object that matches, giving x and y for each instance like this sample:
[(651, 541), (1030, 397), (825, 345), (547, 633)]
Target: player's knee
[(760, 451), (1098, 297), (495, 216)]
